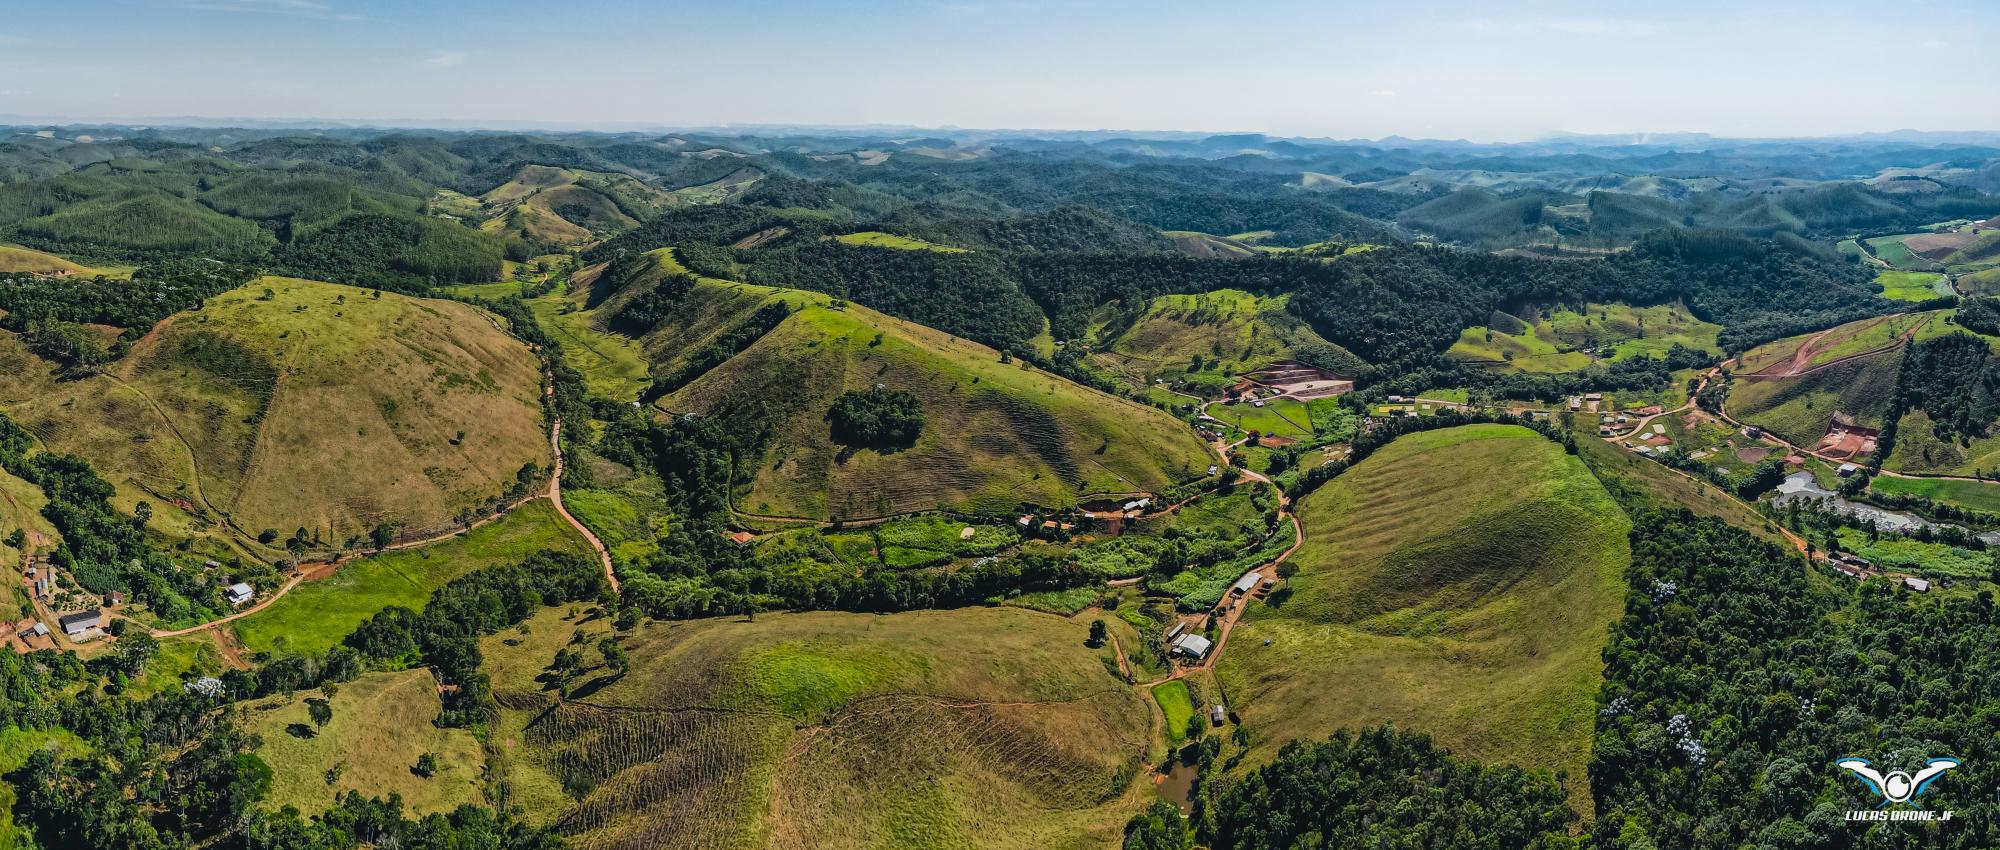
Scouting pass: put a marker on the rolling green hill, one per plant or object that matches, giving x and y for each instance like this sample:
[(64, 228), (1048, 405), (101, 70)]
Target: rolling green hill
[(979, 728), (293, 403), (997, 435), (564, 206), (1457, 582)]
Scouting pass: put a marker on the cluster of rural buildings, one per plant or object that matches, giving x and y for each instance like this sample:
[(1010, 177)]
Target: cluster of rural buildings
[(79, 625)]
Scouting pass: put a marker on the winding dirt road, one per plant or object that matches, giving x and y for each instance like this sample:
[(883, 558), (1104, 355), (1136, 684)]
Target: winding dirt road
[(322, 569)]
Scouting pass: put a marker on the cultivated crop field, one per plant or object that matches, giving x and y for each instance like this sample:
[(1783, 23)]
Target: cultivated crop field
[(317, 615), (1457, 582), (989, 727)]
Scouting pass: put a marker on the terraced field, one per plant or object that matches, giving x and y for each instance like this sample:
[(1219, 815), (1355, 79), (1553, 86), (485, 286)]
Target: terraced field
[(1457, 582), (990, 727), (292, 403)]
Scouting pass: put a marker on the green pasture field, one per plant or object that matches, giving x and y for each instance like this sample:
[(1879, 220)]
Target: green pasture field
[(316, 616), (1458, 582)]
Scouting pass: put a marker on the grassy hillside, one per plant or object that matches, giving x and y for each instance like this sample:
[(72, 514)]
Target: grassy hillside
[(1639, 482), (1457, 582), (1918, 449), (879, 239), (382, 722), (990, 727), (1555, 341), (291, 403), (1233, 332), (1793, 386), (996, 434), (18, 260), (563, 206), (1799, 409), (21, 508)]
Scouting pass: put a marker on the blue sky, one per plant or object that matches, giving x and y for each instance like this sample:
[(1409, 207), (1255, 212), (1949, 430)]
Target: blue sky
[(1485, 71)]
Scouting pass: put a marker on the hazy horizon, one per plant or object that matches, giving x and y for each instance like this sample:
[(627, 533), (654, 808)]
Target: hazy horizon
[(1287, 68)]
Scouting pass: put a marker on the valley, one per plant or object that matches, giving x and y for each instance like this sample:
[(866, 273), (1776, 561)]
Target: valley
[(756, 489)]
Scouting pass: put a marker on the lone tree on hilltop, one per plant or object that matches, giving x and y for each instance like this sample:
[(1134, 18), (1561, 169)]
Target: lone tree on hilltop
[(878, 418)]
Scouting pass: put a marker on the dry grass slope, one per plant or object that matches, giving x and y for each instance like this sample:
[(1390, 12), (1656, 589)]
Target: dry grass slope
[(318, 406), (971, 728)]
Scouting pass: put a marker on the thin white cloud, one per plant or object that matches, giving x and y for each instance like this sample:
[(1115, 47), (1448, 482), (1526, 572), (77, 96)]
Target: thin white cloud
[(295, 8), (1565, 26), (1934, 44), (1385, 93), (444, 59)]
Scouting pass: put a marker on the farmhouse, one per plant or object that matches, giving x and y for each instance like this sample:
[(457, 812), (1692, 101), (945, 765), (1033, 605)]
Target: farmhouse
[(1216, 714), (1193, 646), (1917, 584), (1179, 629), (1845, 470), (238, 593), (1845, 438), (742, 538), (81, 621)]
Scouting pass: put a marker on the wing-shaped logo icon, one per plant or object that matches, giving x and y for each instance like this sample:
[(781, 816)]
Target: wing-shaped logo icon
[(1897, 786), (1859, 767), (1932, 770)]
